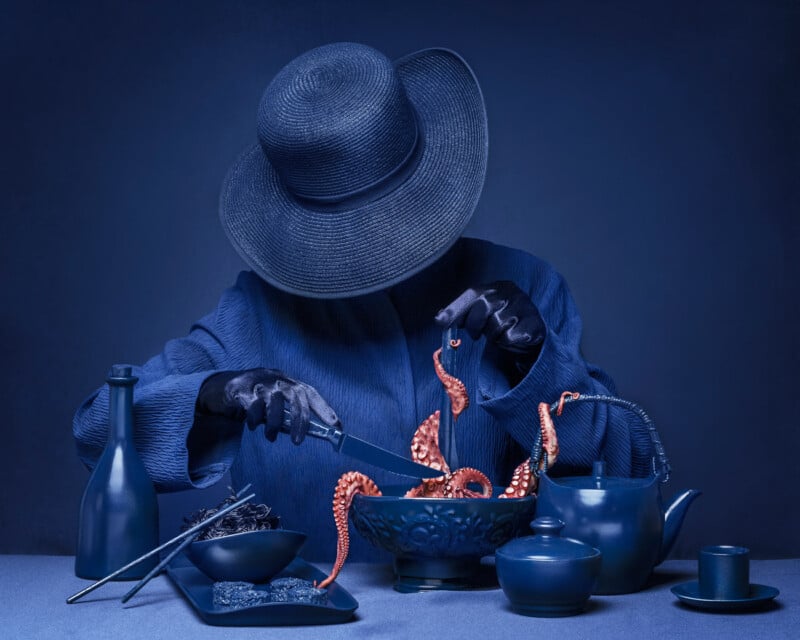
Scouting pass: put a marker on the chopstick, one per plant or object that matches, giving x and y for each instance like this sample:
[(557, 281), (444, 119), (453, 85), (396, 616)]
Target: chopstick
[(185, 534), (160, 566)]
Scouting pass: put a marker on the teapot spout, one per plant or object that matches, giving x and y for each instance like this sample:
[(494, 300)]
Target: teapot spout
[(673, 520)]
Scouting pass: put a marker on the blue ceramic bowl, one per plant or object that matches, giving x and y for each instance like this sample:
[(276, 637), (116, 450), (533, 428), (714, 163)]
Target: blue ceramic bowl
[(252, 556), (437, 543)]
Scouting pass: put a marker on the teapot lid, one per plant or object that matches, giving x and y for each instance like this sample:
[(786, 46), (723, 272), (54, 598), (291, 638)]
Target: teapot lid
[(599, 480), (547, 544)]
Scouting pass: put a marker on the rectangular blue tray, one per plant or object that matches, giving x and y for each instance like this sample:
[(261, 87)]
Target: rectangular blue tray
[(197, 588)]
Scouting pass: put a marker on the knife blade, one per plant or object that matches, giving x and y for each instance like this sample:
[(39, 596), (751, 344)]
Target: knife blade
[(364, 451)]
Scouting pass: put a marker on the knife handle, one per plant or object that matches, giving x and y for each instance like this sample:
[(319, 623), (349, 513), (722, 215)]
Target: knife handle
[(316, 430)]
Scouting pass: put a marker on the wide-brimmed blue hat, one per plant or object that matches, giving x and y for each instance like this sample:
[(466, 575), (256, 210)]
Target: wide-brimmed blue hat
[(367, 171)]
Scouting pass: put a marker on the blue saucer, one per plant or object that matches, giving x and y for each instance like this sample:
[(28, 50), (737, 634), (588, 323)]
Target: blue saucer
[(759, 596)]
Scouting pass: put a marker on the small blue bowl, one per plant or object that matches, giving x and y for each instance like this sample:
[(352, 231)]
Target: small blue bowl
[(252, 556), (438, 543)]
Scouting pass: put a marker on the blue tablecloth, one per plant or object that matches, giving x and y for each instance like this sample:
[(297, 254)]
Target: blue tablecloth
[(34, 588)]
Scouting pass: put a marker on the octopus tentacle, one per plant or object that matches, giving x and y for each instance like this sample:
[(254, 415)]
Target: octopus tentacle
[(425, 444), (350, 484), (454, 485), (457, 484), (429, 488), (567, 394), (549, 437), (523, 482), (455, 389)]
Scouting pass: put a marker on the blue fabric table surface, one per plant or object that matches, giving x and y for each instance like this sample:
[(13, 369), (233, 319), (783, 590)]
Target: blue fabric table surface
[(34, 588)]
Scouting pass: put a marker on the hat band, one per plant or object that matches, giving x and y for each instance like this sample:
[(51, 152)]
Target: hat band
[(373, 191)]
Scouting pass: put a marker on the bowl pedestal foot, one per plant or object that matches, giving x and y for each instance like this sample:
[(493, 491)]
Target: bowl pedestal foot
[(414, 574)]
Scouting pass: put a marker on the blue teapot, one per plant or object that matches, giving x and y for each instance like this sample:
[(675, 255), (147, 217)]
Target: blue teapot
[(623, 517)]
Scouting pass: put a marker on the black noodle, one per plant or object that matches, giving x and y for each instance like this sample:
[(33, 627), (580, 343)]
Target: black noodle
[(248, 517)]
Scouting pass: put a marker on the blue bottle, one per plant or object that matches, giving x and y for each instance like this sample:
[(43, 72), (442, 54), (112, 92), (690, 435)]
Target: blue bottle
[(119, 510)]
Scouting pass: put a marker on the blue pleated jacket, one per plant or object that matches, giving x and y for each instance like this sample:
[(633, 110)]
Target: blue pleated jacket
[(370, 357)]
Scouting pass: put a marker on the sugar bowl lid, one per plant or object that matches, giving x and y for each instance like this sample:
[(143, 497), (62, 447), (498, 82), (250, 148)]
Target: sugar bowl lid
[(547, 544)]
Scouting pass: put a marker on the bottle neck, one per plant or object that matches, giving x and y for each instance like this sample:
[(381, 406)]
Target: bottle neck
[(120, 412)]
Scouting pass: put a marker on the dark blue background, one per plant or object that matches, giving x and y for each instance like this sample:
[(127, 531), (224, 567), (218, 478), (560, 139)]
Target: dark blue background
[(649, 151)]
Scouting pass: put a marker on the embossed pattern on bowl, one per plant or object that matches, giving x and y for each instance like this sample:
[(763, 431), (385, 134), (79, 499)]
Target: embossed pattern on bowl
[(439, 527)]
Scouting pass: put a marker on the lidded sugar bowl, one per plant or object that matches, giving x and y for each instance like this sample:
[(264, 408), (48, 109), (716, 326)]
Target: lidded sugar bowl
[(545, 575)]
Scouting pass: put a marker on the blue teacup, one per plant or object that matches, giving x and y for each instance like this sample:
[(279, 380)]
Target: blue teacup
[(724, 573)]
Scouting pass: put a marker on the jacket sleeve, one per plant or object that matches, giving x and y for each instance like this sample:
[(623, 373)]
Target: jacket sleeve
[(586, 431), (165, 397)]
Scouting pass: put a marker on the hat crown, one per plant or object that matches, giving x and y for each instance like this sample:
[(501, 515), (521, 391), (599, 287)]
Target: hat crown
[(336, 121)]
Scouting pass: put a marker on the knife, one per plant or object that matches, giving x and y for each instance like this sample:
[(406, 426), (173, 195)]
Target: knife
[(359, 449)]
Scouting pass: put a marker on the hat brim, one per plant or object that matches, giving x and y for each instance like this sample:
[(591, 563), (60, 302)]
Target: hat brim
[(336, 254)]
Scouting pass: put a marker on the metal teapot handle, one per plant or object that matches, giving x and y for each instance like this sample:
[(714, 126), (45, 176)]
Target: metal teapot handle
[(661, 466)]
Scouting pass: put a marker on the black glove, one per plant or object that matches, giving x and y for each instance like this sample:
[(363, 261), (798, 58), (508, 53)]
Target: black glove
[(259, 396), (504, 314)]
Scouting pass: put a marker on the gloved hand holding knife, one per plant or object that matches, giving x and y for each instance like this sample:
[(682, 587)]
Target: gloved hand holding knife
[(265, 396), (268, 397)]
